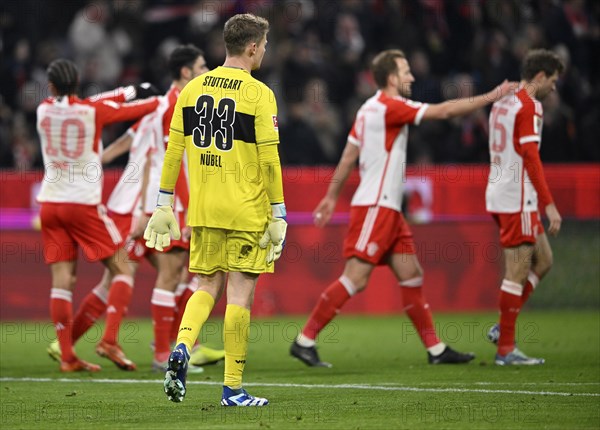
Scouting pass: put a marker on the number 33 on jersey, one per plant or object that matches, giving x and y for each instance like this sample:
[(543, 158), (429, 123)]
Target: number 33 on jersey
[(221, 117)]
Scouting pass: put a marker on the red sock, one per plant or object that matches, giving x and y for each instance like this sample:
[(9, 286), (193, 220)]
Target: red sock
[(119, 296), (510, 305), (92, 308), (532, 280), (329, 304), (61, 312), (179, 309), (418, 311), (163, 312)]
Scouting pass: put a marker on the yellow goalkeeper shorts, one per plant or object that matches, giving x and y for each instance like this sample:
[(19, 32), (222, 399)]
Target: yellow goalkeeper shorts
[(214, 249)]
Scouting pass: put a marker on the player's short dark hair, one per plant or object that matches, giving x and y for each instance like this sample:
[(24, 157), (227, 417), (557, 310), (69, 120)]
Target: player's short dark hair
[(541, 60), (63, 74), (182, 56), (242, 29), (384, 64)]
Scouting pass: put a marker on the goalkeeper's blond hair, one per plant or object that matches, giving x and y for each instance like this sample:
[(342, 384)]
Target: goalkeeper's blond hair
[(243, 29)]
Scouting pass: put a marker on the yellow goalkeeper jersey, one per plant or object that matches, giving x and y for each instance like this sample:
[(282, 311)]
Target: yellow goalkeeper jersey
[(221, 117)]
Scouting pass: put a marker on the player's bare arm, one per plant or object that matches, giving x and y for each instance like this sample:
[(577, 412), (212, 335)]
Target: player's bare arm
[(464, 106), (117, 148), (324, 210)]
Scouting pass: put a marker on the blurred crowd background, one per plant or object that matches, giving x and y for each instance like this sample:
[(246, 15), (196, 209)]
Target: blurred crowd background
[(317, 63)]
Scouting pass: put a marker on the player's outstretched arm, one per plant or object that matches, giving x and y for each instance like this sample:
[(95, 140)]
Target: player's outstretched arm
[(127, 94), (118, 147), (324, 210), (464, 106)]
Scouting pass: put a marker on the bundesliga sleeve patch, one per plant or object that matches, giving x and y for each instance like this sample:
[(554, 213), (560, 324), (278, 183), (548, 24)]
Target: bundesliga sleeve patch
[(275, 123), (538, 121)]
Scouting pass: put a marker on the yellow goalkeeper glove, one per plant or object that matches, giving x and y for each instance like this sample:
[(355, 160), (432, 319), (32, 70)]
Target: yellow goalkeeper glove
[(274, 236), (162, 224)]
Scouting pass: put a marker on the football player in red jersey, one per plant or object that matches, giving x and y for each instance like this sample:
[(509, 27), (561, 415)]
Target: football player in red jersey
[(71, 213), (515, 184), (378, 233)]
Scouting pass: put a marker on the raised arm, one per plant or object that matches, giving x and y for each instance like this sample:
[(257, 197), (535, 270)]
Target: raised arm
[(108, 111), (126, 94)]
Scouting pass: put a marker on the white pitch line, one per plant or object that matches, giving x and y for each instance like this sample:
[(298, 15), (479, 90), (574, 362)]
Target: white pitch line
[(495, 383), (326, 386), (571, 384)]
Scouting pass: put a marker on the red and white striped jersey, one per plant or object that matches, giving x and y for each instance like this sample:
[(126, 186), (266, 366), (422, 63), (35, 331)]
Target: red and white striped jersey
[(70, 131), (380, 131), (515, 120)]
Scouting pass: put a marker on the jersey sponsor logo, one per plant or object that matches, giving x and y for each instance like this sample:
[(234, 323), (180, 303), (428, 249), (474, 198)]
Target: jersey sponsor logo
[(240, 361), (275, 123)]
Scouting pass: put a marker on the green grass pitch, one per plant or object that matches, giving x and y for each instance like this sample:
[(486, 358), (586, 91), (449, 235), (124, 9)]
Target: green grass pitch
[(380, 379)]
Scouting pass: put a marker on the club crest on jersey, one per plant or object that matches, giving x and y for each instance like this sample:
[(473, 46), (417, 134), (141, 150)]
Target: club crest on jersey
[(372, 249), (275, 123)]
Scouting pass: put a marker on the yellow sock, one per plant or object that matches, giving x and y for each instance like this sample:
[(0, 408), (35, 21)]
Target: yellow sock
[(196, 312), (235, 338)]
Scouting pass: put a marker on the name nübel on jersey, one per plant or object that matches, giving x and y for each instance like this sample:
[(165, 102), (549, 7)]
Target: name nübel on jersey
[(209, 159)]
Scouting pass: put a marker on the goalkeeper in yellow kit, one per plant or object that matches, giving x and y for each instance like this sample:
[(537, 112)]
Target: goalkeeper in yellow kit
[(227, 123)]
